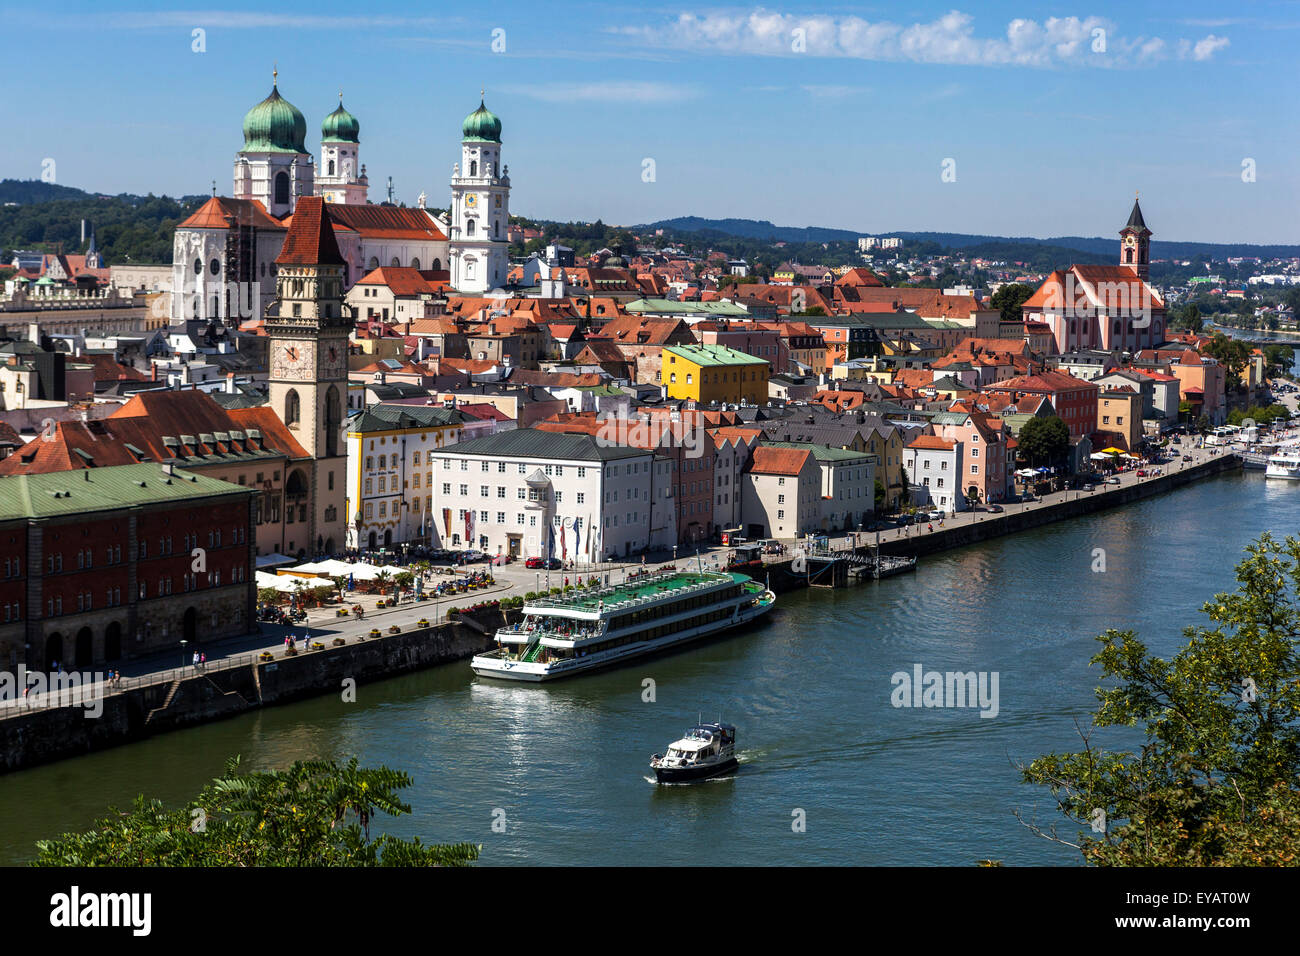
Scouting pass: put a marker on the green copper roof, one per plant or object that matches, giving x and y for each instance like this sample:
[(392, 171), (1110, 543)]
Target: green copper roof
[(82, 491), (340, 126), (275, 126), (481, 126), (710, 356)]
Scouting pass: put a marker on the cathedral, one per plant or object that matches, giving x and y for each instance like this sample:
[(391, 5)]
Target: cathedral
[(223, 261)]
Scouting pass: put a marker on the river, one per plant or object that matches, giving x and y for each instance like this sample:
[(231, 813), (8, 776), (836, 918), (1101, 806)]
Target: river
[(565, 764)]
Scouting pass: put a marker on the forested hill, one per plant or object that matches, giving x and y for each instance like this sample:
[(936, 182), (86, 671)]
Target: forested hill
[(47, 217), (1094, 246)]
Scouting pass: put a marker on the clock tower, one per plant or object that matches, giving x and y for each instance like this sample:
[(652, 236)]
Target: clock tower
[(307, 328), (1135, 243), (480, 207)]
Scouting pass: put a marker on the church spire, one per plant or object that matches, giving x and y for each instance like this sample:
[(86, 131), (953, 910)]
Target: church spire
[(1135, 242)]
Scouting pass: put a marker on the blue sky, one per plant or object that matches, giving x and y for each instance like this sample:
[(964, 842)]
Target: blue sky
[(803, 114)]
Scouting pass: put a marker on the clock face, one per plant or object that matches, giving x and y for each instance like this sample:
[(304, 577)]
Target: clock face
[(333, 361), (293, 360), (471, 200)]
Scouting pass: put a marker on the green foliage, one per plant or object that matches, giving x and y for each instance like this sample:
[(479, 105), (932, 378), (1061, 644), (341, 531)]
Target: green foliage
[(1232, 354), (1214, 782), (1009, 298), (315, 813), (127, 228), (1279, 358), (1262, 416), (1044, 441)]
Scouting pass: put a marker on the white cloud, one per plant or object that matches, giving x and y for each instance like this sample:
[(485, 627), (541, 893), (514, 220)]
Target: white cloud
[(616, 92), (1204, 49), (949, 39)]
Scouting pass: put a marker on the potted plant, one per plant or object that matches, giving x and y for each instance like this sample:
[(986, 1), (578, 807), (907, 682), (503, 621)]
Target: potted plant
[(338, 642), (266, 656)]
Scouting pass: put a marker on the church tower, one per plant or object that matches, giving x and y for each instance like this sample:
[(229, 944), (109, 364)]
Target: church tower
[(1135, 243), (307, 328), (274, 166), (341, 178), (480, 207)]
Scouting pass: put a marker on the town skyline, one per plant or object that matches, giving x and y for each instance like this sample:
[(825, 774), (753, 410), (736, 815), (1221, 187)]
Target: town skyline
[(584, 110)]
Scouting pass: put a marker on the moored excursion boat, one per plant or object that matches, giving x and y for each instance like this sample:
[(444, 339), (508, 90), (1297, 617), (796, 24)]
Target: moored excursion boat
[(705, 750), (1285, 464), (580, 631)]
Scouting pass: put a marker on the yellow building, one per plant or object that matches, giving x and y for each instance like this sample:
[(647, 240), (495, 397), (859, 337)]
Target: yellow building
[(714, 373)]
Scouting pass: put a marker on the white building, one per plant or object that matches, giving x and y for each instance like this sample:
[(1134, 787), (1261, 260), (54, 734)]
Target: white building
[(532, 493), (390, 483), (480, 207), (934, 469)]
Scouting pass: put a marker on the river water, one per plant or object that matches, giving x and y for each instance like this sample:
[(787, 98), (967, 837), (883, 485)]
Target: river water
[(564, 766)]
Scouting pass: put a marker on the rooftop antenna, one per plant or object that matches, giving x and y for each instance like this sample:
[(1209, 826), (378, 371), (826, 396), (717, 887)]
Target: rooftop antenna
[(390, 189)]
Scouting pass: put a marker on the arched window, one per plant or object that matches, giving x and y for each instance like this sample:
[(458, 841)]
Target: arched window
[(1116, 327), (281, 188), (473, 167), (374, 263), (292, 408), (395, 263), (333, 421), (331, 169), (469, 227), (437, 265), (415, 264)]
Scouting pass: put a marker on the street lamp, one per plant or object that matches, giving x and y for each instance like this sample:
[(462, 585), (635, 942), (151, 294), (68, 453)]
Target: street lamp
[(183, 643)]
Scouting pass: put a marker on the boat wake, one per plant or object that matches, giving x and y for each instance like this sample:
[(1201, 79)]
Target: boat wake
[(694, 783)]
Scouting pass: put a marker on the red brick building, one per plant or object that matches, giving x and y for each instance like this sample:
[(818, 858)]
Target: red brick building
[(102, 564)]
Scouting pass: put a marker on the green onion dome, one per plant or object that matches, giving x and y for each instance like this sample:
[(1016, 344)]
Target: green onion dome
[(481, 126), (340, 126), (275, 126)]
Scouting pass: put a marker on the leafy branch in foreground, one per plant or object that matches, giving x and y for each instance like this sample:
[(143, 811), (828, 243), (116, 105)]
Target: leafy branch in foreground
[(315, 813), (1215, 781)]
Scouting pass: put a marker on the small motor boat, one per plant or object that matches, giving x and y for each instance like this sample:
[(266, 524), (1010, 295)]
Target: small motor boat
[(704, 751)]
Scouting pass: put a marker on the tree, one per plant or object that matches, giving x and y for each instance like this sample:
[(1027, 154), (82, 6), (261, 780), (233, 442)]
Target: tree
[(1214, 781), (1044, 441), (316, 813), (1009, 298), (1192, 319), (1232, 354)]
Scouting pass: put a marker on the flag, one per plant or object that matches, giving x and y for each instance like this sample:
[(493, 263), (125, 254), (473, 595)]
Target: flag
[(564, 544), (577, 537), (446, 523)]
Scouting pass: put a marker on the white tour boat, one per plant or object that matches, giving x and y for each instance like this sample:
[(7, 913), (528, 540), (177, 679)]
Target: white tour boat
[(596, 627)]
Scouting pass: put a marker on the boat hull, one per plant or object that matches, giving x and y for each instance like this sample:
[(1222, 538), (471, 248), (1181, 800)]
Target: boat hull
[(689, 774)]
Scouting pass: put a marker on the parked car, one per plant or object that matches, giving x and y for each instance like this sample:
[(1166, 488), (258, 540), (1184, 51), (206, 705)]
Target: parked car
[(995, 509), (472, 555), (545, 564), (1113, 480), (1187, 458)]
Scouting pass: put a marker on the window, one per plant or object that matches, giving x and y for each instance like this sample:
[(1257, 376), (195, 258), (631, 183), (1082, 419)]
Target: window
[(580, 497), (446, 488)]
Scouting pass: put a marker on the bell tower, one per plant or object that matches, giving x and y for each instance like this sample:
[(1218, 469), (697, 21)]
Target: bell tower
[(1135, 243), (307, 329), (480, 207)]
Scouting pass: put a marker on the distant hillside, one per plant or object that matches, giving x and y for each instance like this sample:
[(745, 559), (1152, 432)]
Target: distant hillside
[(127, 228), (1089, 248)]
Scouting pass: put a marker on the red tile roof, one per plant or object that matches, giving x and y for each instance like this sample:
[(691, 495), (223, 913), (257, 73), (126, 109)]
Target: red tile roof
[(933, 442), (311, 236), (778, 461), (385, 222), (245, 212)]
